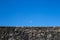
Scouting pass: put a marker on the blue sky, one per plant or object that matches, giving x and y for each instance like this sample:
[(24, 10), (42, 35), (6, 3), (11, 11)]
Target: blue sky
[(30, 12)]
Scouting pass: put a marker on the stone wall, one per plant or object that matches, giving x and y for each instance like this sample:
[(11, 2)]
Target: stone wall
[(29, 33)]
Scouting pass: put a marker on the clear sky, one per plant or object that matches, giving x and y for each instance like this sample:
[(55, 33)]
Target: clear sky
[(30, 12)]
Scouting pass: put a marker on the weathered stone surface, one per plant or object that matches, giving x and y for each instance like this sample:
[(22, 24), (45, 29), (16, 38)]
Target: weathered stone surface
[(29, 33)]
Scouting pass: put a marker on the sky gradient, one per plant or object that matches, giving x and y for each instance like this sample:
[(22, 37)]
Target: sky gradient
[(29, 12)]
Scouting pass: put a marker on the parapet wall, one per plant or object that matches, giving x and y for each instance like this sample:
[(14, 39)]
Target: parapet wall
[(29, 33)]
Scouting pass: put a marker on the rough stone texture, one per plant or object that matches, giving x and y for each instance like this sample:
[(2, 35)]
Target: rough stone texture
[(29, 33)]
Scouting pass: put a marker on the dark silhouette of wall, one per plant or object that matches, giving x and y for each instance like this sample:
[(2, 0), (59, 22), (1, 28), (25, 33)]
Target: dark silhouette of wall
[(29, 33)]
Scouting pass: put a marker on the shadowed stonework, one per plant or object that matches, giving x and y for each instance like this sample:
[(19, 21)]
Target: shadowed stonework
[(29, 33)]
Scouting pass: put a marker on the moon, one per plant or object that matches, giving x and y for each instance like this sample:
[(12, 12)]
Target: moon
[(30, 21)]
